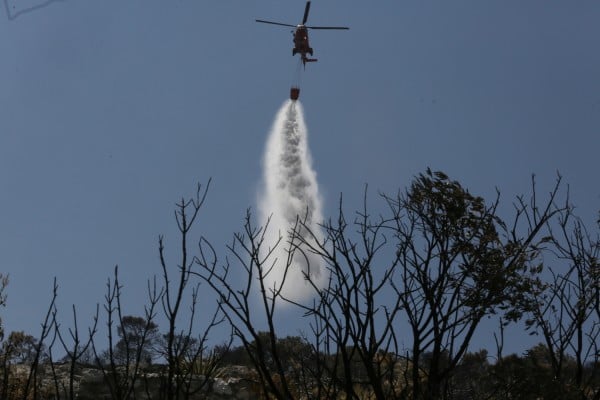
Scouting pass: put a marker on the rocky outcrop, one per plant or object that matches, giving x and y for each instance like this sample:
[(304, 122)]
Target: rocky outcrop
[(89, 383)]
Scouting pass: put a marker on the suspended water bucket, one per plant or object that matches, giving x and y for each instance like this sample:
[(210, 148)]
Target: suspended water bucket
[(294, 93)]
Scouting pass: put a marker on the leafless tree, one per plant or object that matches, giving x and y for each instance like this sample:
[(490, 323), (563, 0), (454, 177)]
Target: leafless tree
[(565, 311), (119, 374), (354, 320), (257, 260), (187, 355), (74, 353), (47, 325)]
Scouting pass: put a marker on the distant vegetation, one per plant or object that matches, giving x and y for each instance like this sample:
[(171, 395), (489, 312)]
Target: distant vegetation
[(407, 292)]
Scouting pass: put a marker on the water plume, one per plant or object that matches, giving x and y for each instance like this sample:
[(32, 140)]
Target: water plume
[(291, 194)]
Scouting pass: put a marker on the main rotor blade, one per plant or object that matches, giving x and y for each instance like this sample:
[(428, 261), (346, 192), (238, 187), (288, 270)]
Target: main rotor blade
[(306, 10), (274, 23), (328, 27)]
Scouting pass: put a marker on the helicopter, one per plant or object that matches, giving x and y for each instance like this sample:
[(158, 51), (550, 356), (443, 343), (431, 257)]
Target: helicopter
[(301, 45)]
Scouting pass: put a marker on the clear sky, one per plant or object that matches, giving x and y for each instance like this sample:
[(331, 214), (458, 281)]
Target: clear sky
[(112, 110)]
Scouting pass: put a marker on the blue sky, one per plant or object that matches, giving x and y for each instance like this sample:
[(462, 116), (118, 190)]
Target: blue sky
[(110, 111)]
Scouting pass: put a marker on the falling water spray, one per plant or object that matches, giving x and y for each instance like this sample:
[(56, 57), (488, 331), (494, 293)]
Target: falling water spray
[(290, 195)]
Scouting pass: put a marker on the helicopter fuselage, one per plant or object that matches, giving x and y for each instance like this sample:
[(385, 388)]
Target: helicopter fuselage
[(301, 44)]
